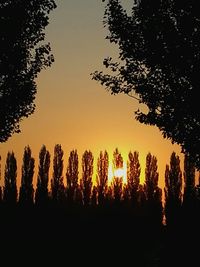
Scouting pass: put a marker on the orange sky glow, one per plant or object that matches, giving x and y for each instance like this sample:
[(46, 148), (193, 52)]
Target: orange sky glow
[(77, 112)]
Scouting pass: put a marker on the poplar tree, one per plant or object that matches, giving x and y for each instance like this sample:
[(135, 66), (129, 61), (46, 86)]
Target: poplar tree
[(10, 180), (57, 185), (102, 176), (87, 172), (152, 191), (26, 193), (42, 192), (189, 182), (133, 176), (173, 190), (72, 176), (117, 184)]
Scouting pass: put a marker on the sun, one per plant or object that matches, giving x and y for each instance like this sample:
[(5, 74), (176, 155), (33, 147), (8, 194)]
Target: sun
[(119, 173)]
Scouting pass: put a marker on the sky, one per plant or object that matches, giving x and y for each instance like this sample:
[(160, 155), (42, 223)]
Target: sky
[(77, 112)]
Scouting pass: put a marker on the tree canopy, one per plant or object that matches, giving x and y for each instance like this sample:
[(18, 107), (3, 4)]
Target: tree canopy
[(159, 65), (23, 54)]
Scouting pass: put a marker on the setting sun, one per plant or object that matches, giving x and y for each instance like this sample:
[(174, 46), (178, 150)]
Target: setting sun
[(119, 173)]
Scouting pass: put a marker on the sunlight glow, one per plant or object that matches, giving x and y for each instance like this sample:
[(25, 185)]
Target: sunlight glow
[(119, 173), (110, 174)]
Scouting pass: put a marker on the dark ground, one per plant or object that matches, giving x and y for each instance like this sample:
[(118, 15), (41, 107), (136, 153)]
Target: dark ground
[(87, 237)]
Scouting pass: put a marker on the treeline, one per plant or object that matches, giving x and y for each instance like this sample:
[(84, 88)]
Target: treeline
[(143, 199), (153, 227)]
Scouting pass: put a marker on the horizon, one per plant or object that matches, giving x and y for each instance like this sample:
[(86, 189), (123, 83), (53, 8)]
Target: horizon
[(111, 169)]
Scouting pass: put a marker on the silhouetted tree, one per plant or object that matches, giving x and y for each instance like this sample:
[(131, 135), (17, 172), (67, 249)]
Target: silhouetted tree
[(94, 196), (57, 185), (102, 176), (109, 194), (1, 194), (41, 194), (141, 197), (197, 188), (133, 176), (117, 184), (173, 190), (126, 194), (10, 180), (23, 55), (78, 198), (87, 172), (152, 192), (26, 192), (158, 65), (72, 176), (189, 182), (189, 205)]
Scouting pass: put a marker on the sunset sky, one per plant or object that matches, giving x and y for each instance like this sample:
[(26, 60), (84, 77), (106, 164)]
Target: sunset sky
[(75, 111)]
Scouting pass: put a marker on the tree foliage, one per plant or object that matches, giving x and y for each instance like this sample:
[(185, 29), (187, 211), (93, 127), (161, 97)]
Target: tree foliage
[(173, 189), (102, 176), (26, 192), (72, 176), (158, 64), (189, 182), (152, 191), (57, 185), (41, 193), (87, 172), (23, 54), (133, 176), (151, 177), (117, 183), (10, 180)]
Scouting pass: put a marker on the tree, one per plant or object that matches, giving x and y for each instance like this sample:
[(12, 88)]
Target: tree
[(151, 177), (173, 190), (117, 184), (1, 193), (189, 195), (26, 192), (87, 172), (23, 56), (133, 176), (152, 192), (94, 196), (57, 185), (10, 180), (158, 65), (102, 176), (41, 194), (72, 176)]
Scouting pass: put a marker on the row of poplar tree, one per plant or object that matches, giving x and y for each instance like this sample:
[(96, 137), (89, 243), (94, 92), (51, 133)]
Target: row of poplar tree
[(138, 197)]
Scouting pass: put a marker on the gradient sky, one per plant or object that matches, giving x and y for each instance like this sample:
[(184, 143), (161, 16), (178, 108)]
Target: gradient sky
[(75, 111)]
